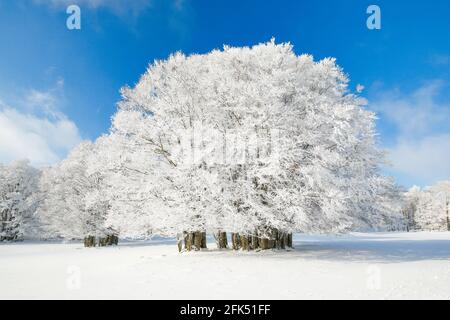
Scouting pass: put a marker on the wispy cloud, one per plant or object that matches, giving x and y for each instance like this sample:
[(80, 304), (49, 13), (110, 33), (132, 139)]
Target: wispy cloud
[(46, 102), (440, 60), (177, 13), (423, 161), (179, 4), (414, 113), (37, 129), (119, 7), (421, 149)]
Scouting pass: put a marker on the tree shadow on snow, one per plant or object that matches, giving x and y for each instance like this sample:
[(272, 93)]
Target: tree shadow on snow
[(373, 251), (379, 248), (362, 249)]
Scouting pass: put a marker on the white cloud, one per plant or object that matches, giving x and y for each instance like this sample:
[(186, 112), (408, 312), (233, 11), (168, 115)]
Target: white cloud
[(42, 141), (421, 150), (37, 130), (425, 160), (414, 114)]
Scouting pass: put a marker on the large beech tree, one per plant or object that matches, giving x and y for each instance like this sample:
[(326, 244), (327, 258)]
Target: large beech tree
[(247, 144), (254, 141)]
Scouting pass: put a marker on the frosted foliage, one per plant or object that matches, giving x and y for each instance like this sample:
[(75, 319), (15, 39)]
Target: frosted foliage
[(239, 140), (18, 182), (72, 204), (429, 208), (245, 139)]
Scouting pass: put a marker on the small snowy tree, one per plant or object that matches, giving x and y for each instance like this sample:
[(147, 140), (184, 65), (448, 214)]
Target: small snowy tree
[(432, 208), (428, 208), (129, 184), (18, 184), (72, 206), (410, 207)]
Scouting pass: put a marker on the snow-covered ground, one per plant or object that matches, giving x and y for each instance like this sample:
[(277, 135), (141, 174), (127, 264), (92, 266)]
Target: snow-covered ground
[(355, 266)]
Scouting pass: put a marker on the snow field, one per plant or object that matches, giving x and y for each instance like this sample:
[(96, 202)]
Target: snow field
[(355, 266)]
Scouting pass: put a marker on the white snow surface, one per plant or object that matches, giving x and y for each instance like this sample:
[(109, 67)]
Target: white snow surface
[(354, 266)]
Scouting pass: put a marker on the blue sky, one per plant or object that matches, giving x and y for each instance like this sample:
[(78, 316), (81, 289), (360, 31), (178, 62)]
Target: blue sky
[(58, 86)]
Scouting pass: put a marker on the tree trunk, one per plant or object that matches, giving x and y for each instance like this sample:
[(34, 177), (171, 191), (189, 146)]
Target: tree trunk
[(255, 242), (221, 240), (270, 243), (180, 239), (89, 242), (246, 243), (109, 240), (278, 237), (204, 240), (264, 243), (236, 241), (273, 239), (263, 239), (189, 241), (281, 240), (198, 240), (289, 241)]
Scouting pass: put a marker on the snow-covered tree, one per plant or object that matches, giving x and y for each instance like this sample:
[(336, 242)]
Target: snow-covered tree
[(18, 183), (410, 207), (73, 206), (441, 203), (130, 181), (259, 142), (428, 208), (387, 205), (247, 140)]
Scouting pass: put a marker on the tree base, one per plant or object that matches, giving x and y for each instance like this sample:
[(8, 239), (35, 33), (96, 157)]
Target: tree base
[(221, 240), (192, 241), (92, 242), (195, 241), (10, 239), (260, 241)]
